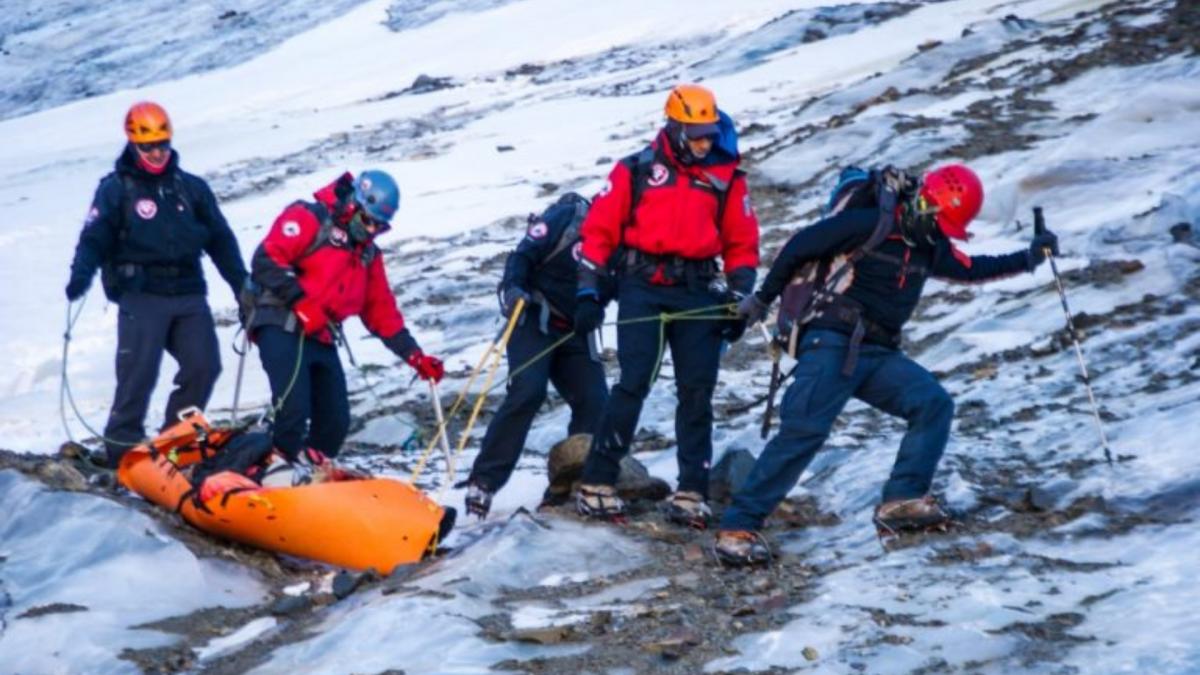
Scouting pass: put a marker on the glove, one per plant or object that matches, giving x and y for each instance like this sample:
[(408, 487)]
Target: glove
[(589, 313), (77, 286), (247, 297), (753, 309), (733, 328), (312, 315), (1037, 248), (509, 295), (427, 367)]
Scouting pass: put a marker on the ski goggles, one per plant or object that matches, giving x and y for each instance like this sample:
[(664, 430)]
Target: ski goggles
[(147, 148)]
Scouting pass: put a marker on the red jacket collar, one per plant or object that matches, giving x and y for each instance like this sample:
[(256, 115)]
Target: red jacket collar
[(722, 171)]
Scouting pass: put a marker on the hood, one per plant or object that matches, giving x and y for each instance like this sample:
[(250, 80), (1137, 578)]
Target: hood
[(127, 163)]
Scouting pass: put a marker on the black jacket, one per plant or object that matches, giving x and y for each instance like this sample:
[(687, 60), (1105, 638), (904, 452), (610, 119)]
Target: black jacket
[(887, 283), (149, 231), (546, 265)]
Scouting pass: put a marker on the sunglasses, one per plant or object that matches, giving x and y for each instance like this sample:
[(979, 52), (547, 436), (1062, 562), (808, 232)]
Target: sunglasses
[(372, 225), (146, 148)]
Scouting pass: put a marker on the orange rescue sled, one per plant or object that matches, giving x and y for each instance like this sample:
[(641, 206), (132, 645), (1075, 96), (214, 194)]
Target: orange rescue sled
[(375, 522)]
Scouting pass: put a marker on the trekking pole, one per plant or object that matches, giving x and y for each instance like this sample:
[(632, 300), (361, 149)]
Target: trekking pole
[(237, 387), (441, 420), (1039, 227)]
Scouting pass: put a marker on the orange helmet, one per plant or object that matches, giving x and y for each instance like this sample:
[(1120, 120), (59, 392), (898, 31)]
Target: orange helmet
[(957, 194), (147, 122), (692, 104)]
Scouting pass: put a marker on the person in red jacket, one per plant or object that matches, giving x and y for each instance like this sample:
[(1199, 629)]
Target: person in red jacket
[(317, 267), (670, 212)]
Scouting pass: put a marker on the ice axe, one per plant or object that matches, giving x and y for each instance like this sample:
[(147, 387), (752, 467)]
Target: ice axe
[(776, 378), (1039, 227)]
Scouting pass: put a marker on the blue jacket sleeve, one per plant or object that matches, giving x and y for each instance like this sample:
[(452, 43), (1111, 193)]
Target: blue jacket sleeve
[(98, 240), (837, 234), (952, 264), (222, 244)]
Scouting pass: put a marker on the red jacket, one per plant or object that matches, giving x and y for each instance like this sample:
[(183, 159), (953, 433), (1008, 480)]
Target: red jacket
[(346, 279), (676, 214)]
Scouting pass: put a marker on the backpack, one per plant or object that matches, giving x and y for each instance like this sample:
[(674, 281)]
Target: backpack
[(571, 205), (325, 234), (815, 285)]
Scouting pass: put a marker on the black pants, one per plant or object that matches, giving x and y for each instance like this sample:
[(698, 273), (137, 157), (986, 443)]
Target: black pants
[(576, 376), (696, 351), (148, 325), (315, 411)]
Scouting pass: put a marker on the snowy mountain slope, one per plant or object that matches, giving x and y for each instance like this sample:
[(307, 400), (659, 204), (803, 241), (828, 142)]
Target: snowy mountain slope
[(1064, 565)]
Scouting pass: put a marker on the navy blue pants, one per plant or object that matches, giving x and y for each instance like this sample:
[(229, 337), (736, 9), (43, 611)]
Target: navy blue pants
[(695, 350), (315, 410), (148, 325), (576, 376), (884, 378)]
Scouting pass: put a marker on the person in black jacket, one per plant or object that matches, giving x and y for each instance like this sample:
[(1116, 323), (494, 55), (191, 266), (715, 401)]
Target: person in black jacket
[(542, 271), (851, 346), (149, 223)]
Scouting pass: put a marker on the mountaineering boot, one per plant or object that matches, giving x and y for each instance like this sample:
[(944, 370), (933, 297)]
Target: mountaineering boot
[(899, 515), (478, 500), (600, 502), (741, 547), (688, 509)]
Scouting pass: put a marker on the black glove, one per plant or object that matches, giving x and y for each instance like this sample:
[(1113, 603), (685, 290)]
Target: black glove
[(509, 295), (753, 309), (589, 313), (247, 298), (733, 328), (77, 286), (1037, 247)]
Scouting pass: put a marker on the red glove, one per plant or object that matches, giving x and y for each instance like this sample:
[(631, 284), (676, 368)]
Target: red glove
[(312, 315), (427, 367)]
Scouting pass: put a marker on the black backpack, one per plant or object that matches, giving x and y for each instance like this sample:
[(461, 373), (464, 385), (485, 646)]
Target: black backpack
[(816, 284)]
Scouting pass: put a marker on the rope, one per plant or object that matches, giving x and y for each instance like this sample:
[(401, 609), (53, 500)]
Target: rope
[(497, 346)]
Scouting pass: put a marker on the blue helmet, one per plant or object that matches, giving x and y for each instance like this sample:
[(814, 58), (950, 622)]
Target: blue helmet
[(377, 193)]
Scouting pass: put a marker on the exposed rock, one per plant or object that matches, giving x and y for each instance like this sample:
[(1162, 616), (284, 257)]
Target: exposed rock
[(52, 608), (62, 476), (729, 474), (289, 605), (565, 465)]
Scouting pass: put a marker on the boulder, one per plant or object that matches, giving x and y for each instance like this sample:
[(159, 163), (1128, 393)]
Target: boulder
[(729, 474), (565, 466)]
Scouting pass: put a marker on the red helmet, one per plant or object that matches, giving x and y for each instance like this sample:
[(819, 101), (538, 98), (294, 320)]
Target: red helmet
[(957, 194)]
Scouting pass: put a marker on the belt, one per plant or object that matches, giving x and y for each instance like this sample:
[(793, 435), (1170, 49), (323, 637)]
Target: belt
[(669, 270), (849, 313), (129, 270)]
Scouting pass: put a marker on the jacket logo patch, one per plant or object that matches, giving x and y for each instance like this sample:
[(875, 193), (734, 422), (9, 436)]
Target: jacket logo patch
[(658, 175), (290, 229), (92, 215), (538, 230), (146, 208), (577, 251), (605, 189), (338, 236)]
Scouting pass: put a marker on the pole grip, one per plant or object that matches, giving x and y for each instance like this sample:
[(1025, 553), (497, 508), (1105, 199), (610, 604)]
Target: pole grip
[(1039, 221)]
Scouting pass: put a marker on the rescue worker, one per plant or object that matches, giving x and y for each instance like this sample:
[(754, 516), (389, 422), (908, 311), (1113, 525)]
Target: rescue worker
[(318, 266), (672, 210), (852, 346), (149, 223), (542, 272)]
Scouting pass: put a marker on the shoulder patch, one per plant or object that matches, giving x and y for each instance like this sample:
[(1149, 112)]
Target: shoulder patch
[(146, 208), (577, 251), (538, 230), (658, 175), (92, 215), (290, 228), (338, 236)]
